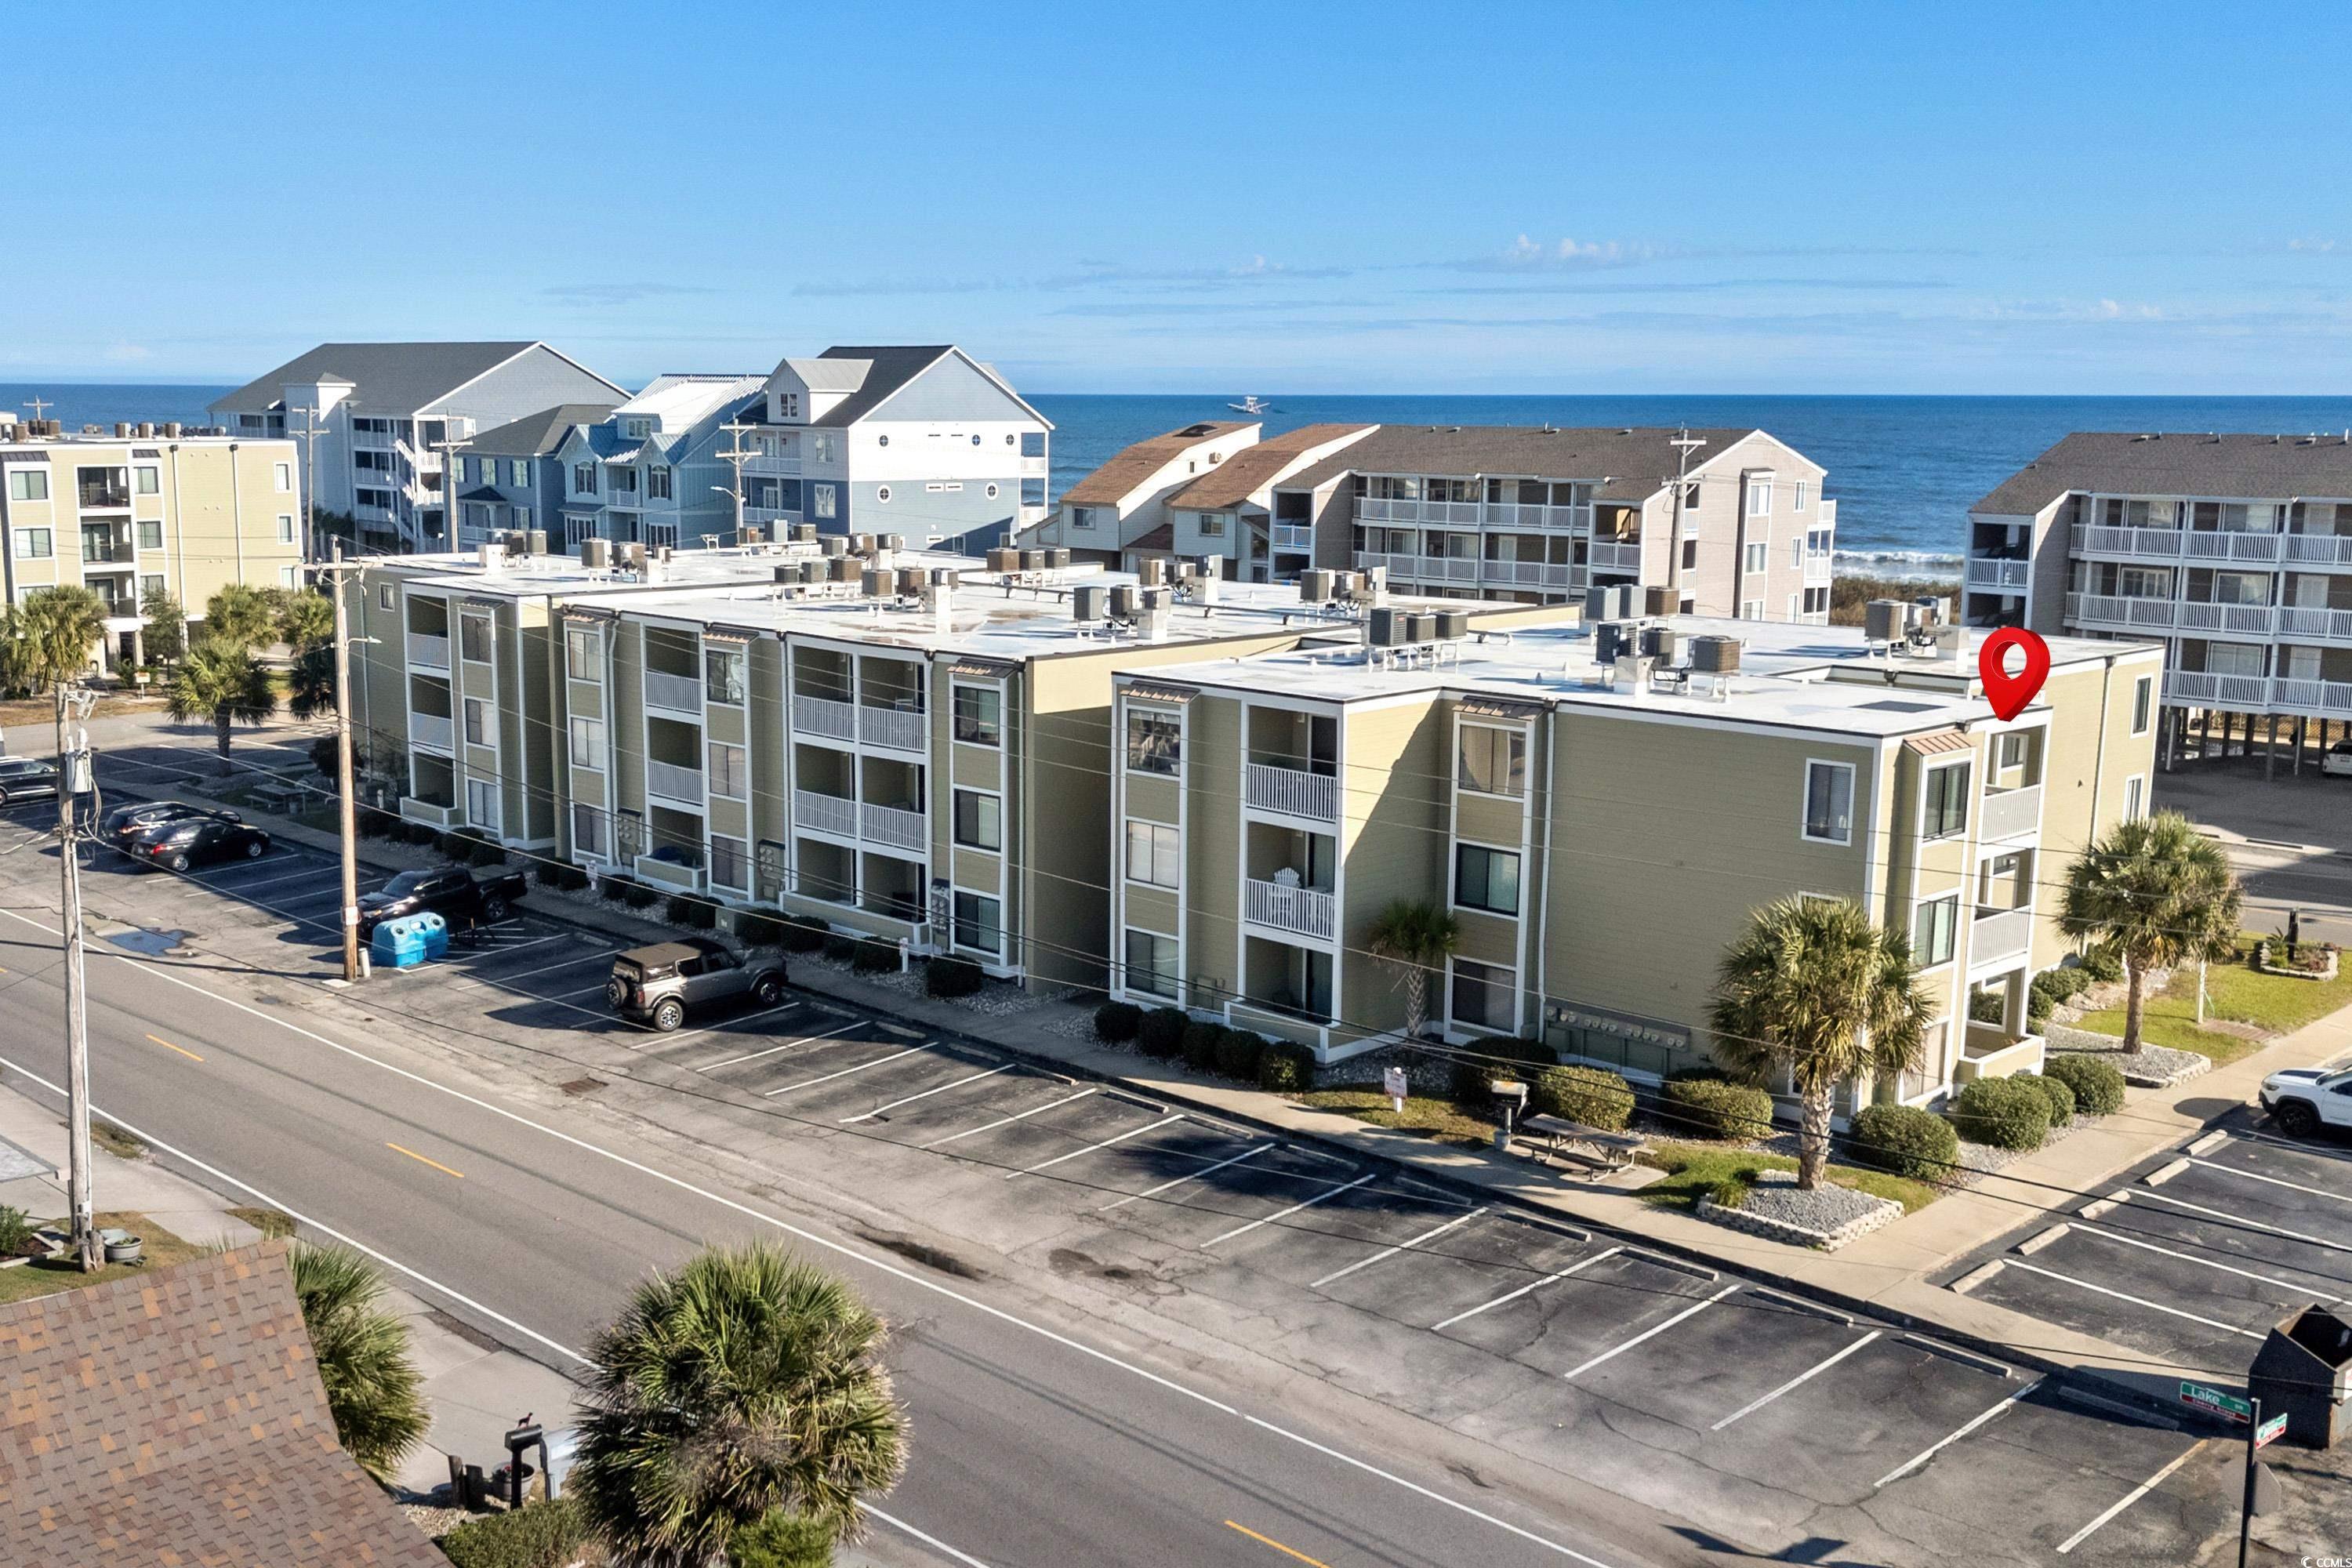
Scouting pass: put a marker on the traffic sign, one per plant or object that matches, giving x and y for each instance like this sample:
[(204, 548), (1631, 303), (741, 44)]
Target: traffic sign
[(2227, 1405), (2270, 1431)]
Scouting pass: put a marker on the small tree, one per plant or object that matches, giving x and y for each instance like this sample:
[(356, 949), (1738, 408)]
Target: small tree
[(45, 642), (221, 685), (1814, 990), (240, 615), (1415, 938), (166, 637), (373, 1391), (303, 620), (2159, 893)]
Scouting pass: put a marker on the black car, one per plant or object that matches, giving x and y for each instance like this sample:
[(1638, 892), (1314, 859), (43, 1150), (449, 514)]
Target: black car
[(26, 778), (176, 845), (455, 894), (124, 824)]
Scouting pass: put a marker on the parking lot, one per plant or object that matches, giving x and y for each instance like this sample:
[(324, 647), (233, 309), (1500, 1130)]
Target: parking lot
[(1753, 1415)]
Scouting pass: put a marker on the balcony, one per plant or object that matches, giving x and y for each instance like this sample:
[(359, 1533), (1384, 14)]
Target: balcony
[(1295, 537), (825, 813), (776, 465), (2009, 814), (426, 651), (825, 716), (1820, 565), (2319, 549), (1989, 1051), (2259, 548), (1296, 911), (1618, 557), (2311, 625), (1999, 934), (663, 871), (901, 729), (2132, 543), (1526, 574), (2008, 576), (672, 781), (2110, 610), (1462, 514), (415, 810), (433, 731), (1536, 515), (2241, 620), (1293, 792), (677, 693), (888, 824)]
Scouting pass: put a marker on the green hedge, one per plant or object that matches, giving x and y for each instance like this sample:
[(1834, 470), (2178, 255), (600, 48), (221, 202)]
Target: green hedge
[(696, 914), (2099, 1085), (951, 977), (1707, 1105), (840, 947), (539, 1535), (1906, 1140), (754, 930), (874, 956), (1199, 1046), (2056, 1091), (804, 933), (556, 873), (423, 835), (1238, 1053), (486, 853), (1593, 1096), (1116, 1022), (616, 886), (2005, 1112), (1498, 1058), (780, 1540), (1286, 1068), (1162, 1032)]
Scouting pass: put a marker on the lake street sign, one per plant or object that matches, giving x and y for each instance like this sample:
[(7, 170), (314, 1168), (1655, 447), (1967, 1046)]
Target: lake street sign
[(2227, 1405), (2270, 1431)]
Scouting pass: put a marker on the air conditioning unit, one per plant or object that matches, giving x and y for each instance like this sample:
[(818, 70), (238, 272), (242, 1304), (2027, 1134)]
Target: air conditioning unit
[(1090, 601)]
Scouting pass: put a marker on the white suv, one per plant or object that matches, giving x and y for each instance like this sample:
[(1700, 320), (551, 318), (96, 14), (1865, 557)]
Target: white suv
[(2302, 1101)]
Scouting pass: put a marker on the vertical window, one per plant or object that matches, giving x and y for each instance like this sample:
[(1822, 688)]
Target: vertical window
[(722, 674), (1944, 813), (151, 583), (147, 478), (2012, 750), (588, 837), (587, 742), (1155, 742), (1690, 555), (2134, 797), (1032, 492), (151, 533), (1759, 498), (474, 638), (729, 772), (979, 820), (1829, 803), (285, 476), (1756, 559), (1935, 930), (1751, 610), (1486, 879), (477, 722), (1491, 761), (1481, 997), (2143, 703), (583, 651), (1154, 854), (519, 473), (1033, 443), (657, 484), (822, 502), (979, 715), (979, 923), (482, 803), (1151, 964), (729, 866), (583, 479), (383, 596), (1804, 497), (285, 528)]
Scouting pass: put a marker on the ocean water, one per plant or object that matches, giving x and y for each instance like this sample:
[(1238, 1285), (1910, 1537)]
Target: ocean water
[(1904, 470)]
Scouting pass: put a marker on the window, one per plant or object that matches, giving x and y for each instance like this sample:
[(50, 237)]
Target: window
[(1817, 602), (587, 742), (1032, 492), (2143, 703), (147, 479), (992, 493), (1797, 553), (1486, 879), (625, 484), (477, 722), (1151, 963), (979, 923), (1690, 555), (1213, 525), (285, 528), (1944, 809), (1756, 560), (519, 473), (151, 532), (1759, 498), (284, 473), (1154, 854), (822, 502), (383, 596), (474, 638), (657, 484), (729, 866), (1080, 516), (1935, 930), (150, 582), (882, 494), (1829, 803), (588, 836), (2134, 797), (1804, 497), (584, 653), (731, 772), (101, 488), (2012, 750), (788, 406), (722, 675), (482, 803), (979, 715), (1490, 760), (637, 430), (33, 544), (286, 578), (1155, 742), (1751, 609), (979, 820), (583, 479), (1481, 995), (522, 519), (28, 484)]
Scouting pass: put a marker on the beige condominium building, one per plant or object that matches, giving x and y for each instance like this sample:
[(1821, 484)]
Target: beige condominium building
[(1601, 807), (2235, 552), (146, 508)]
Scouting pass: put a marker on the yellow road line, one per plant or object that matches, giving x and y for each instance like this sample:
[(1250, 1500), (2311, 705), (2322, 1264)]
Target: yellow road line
[(422, 1161), (1278, 1546), (170, 1046)]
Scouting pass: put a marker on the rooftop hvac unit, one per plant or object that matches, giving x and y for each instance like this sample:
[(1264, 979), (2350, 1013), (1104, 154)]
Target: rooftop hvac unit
[(488, 554), (1610, 642), (1714, 656), (536, 541), (1453, 626), (1208, 565), (122, 429), (1933, 609), (171, 429), (1033, 561), (1152, 571), (633, 555), (753, 533), (1156, 599), (1882, 620), (788, 573), (1090, 601), (882, 561), (946, 577), (875, 585), (815, 570), (1421, 628), (1003, 560), (596, 554), (804, 533), (664, 552), (846, 568), (911, 581), (894, 541), (1315, 587), (1126, 602), (1611, 602), (146, 430), (1058, 560), (1657, 599), (861, 544), (833, 545), (1381, 628), (1660, 643)]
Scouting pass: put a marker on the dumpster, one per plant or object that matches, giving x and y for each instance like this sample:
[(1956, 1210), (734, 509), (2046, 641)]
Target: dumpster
[(2304, 1371), (409, 940)]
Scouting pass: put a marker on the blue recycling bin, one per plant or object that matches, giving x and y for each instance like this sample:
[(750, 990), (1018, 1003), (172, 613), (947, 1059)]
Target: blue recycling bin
[(409, 940)]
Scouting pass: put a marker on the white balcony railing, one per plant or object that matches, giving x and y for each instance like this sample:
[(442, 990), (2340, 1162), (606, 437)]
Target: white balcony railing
[(2136, 544), (901, 729), (825, 716), (888, 824), (1609, 557), (1997, 934), (432, 729), (771, 465), (1528, 574), (2009, 814), (1984, 573), (1293, 792), (2260, 694), (1301, 911), (2319, 549), (671, 781), (1292, 536), (825, 813), (426, 651), (426, 811), (676, 693), (2304, 623), (2110, 610), (2244, 620)]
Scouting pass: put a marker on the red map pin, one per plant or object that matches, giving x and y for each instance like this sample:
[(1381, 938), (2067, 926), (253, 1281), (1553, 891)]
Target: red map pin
[(2008, 692)]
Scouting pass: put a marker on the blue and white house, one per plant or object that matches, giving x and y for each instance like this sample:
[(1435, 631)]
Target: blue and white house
[(511, 478), (651, 471)]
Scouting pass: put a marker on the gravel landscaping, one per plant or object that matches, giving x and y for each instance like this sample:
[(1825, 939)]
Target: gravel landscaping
[(1825, 1218), (2150, 1067)]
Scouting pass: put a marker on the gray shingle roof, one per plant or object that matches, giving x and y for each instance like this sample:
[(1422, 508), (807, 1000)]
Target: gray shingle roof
[(1623, 464), (2121, 463), (538, 435), (394, 379), (892, 369)]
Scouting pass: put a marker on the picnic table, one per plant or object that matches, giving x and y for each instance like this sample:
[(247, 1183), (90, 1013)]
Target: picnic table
[(1555, 1137)]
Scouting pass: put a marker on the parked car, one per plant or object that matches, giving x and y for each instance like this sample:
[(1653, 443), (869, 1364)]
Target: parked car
[(455, 893), (26, 778), (196, 840), (659, 984), (2337, 760), (2302, 1101), (124, 824)]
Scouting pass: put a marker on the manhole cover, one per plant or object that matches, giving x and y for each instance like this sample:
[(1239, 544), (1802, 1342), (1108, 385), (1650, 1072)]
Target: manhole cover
[(582, 1086), (153, 943)]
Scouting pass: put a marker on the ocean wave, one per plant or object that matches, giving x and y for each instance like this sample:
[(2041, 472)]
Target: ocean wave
[(1901, 563)]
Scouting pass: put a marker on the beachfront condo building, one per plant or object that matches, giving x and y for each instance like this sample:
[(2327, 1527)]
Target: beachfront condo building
[(387, 415), (2235, 552), (509, 478), (146, 509), (1122, 505), (1600, 821), (650, 470)]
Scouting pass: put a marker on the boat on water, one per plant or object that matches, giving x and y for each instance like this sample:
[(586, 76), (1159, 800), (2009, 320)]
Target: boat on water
[(1252, 405)]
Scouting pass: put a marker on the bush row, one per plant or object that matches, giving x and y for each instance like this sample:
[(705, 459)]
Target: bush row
[(951, 977)]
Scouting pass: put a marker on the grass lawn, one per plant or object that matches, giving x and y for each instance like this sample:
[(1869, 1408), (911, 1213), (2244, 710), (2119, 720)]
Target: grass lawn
[(273, 1224), (2234, 991), (47, 1277), (1694, 1168), (1440, 1121)]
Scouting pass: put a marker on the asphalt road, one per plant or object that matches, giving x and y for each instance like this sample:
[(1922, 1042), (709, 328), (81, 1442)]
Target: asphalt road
[(1034, 1441)]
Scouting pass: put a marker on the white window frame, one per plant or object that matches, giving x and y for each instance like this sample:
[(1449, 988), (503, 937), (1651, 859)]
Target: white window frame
[(1510, 732), (955, 922), (24, 475), (955, 819), (285, 528), (1758, 558), (1927, 777), (1160, 847), (282, 475), (1511, 989), (2134, 797), (490, 819), (1752, 610), (384, 595), (519, 473), (587, 742), (2143, 704), (732, 781), (597, 840), (49, 544), (146, 480), (474, 721), (1803, 497), (1760, 497), (1518, 880), (1805, 801), (955, 718), (1919, 953)]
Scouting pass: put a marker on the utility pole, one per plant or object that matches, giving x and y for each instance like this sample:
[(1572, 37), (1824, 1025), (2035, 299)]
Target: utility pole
[(735, 456), (73, 766), (310, 432), (36, 405), (347, 811), (1687, 444)]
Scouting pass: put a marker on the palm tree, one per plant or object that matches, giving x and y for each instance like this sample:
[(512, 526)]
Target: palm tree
[(242, 616), (220, 683), (306, 624), (1415, 937), (45, 642), (1813, 990), (745, 1382), (2159, 893), (373, 1391), (304, 620)]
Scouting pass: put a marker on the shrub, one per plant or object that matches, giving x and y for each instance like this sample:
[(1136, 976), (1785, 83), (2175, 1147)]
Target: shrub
[(874, 956), (540, 1535), (322, 755), (1286, 1067), (370, 823), (696, 914), (2056, 1091), (951, 977), (1904, 1140), (2097, 1085), (1593, 1096), (2103, 964), (1162, 1033), (781, 1539), (455, 845), (1712, 1106), (804, 933), (484, 853), (556, 873), (839, 948), (1729, 1192), (15, 1231), (1987, 1007), (1493, 1058), (423, 835), (1199, 1046), (1116, 1022), (2005, 1112), (756, 929), (616, 886), (1238, 1054), (641, 897)]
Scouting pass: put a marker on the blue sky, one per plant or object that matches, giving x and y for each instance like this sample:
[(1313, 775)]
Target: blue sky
[(1271, 198)]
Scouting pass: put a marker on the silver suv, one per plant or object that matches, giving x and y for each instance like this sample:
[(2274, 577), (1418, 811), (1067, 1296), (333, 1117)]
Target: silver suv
[(658, 984)]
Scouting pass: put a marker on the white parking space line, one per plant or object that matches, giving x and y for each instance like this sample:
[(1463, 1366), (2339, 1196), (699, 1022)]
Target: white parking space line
[(1249, 1153), (550, 969), (1802, 1378), (2236, 1219), (2134, 1301), (2288, 1286), (1008, 1121), (1905, 1469), (1388, 1252), (1120, 1138), (828, 1077), (1524, 1290), (2130, 1498), (227, 865), (2275, 1181), (1690, 1312), (1286, 1214), (665, 1040), (772, 1050), (909, 1100), (301, 876), (2314, 1150)]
